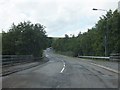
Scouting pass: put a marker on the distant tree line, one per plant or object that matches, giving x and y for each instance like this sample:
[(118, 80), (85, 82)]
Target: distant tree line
[(25, 39), (0, 43), (92, 42)]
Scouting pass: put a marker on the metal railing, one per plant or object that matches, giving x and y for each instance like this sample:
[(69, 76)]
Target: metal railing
[(94, 57), (112, 57), (10, 60)]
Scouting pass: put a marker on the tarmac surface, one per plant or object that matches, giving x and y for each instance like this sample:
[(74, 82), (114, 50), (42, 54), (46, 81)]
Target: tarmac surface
[(64, 72)]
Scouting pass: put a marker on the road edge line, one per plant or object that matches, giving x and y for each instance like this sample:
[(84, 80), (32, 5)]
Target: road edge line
[(112, 70)]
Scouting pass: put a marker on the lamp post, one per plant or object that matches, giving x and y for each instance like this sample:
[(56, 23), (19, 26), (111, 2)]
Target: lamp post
[(106, 48)]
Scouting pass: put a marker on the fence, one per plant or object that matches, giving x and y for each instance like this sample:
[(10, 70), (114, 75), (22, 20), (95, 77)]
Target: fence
[(10, 60)]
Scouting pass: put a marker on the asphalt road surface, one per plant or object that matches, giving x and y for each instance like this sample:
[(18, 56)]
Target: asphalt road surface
[(62, 72)]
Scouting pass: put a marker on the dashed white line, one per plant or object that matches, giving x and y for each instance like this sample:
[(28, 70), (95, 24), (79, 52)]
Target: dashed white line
[(63, 67), (115, 71), (62, 70), (47, 55)]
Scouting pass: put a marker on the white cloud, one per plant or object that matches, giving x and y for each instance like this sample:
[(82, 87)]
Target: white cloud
[(59, 16)]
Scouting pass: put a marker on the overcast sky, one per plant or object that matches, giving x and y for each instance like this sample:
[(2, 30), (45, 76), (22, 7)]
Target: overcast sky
[(59, 16)]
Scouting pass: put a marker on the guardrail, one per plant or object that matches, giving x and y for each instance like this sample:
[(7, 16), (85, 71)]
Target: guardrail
[(94, 57), (10, 60), (112, 57)]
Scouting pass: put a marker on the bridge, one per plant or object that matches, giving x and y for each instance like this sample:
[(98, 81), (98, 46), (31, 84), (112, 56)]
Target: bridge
[(59, 71)]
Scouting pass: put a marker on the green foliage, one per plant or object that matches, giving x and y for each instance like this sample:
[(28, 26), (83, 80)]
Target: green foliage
[(92, 42), (0, 43), (49, 41), (25, 39)]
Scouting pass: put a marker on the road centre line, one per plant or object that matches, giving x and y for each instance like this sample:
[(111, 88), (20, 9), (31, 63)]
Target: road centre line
[(115, 71), (47, 55), (63, 67), (62, 70)]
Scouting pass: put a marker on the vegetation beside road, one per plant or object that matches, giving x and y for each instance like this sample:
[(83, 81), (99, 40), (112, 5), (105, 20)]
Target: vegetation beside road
[(25, 39), (0, 43), (92, 42), (31, 39)]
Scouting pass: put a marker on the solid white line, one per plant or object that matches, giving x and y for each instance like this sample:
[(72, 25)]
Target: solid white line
[(115, 71)]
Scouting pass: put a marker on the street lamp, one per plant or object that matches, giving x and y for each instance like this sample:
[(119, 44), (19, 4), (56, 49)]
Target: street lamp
[(106, 48), (100, 9)]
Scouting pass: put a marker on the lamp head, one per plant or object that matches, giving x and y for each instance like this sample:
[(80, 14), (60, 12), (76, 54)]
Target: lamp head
[(95, 9)]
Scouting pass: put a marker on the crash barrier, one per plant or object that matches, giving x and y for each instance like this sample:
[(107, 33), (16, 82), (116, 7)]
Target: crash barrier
[(10, 60), (115, 57), (94, 57), (112, 57)]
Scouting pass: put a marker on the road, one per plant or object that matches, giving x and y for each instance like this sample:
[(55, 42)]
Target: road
[(62, 72)]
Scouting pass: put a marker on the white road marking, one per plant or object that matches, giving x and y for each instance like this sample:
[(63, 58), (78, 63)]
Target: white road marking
[(63, 67), (62, 70), (115, 71), (51, 61), (47, 55), (58, 86)]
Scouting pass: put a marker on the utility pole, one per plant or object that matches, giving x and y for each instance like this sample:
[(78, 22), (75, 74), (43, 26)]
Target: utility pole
[(106, 33)]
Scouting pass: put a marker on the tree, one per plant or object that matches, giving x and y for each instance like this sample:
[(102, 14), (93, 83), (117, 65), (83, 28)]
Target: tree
[(25, 39), (92, 42)]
